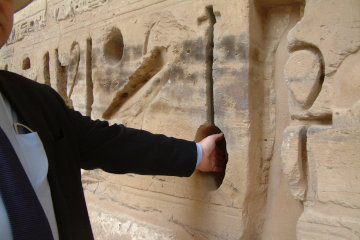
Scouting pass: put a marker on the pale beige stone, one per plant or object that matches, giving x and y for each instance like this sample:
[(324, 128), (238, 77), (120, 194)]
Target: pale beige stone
[(302, 74), (148, 64), (281, 210), (332, 210), (293, 159), (107, 226), (331, 28), (327, 224), (31, 19), (347, 82)]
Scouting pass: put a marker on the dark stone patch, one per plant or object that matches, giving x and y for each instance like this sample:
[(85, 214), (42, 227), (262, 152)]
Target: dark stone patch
[(227, 45), (226, 71), (238, 74), (176, 72), (238, 90), (182, 94), (255, 55), (233, 47), (193, 49), (137, 51), (243, 47), (110, 84), (218, 72), (242, 51), (193, 76), (315, 130)]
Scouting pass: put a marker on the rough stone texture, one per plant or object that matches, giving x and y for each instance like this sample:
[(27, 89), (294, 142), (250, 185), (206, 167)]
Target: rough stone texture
[(279, 77), (114, 226), (333, 33), (333, 201), (302, 74), (293, 154)]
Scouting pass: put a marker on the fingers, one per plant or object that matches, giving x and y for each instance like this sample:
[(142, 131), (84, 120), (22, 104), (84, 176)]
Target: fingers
[(218, 169), (218, 137), (219, 151), (219, 158), (219, 163), (214, 158)]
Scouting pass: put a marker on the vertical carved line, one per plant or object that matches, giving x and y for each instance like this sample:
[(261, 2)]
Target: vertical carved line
[(210, 181), (61, 77), (304, 156), (209, 54), (46, 69), (74, 47), (147, 36), (89, 82)]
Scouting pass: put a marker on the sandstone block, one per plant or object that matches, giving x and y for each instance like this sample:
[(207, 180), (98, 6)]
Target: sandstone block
[(303, 76), (332, 209), (293, 157), (334, 31), (148, 64), (327, 225), (337, 164)]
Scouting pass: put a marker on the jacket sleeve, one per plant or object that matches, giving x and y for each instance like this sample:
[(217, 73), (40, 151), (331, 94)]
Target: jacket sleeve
[(95, 144), (118, 149)]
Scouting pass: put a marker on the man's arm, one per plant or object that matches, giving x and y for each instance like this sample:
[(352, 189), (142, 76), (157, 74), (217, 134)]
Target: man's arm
[(119, 149)]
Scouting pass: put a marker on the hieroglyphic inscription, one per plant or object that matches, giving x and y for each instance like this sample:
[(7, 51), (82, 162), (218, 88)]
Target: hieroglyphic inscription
[(69, 8), (33, 19)]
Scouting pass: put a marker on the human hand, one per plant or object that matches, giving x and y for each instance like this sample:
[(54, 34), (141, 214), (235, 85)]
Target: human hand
[(213, 158)]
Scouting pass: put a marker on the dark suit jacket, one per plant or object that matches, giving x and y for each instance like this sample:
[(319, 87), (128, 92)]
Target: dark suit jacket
[(72, 141)]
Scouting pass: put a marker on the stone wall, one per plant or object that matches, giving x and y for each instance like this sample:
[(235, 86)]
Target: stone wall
[(279, 77)]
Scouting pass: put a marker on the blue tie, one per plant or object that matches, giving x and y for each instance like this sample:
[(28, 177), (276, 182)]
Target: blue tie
[(27, 217)]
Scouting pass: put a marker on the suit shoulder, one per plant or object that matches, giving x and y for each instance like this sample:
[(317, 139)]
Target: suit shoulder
[(14, 79), (26, 86)]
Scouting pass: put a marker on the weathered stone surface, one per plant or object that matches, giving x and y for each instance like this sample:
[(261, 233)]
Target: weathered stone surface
[(333, 29), (66, 9), (333, 207), (31, 20), (270, 95), (107, 226), (151, 72), (347, 82), (293, 157), (303, 72), (150, 64), (327, 224)]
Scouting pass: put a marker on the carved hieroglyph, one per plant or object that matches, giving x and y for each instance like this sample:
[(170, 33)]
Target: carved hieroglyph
[(279, 77), (330, 146)]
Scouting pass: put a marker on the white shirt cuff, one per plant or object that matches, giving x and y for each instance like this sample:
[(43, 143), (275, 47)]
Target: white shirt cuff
[(199, 154)]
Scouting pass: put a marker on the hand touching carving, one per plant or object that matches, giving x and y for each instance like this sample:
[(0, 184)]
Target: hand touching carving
[(213, 158)]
